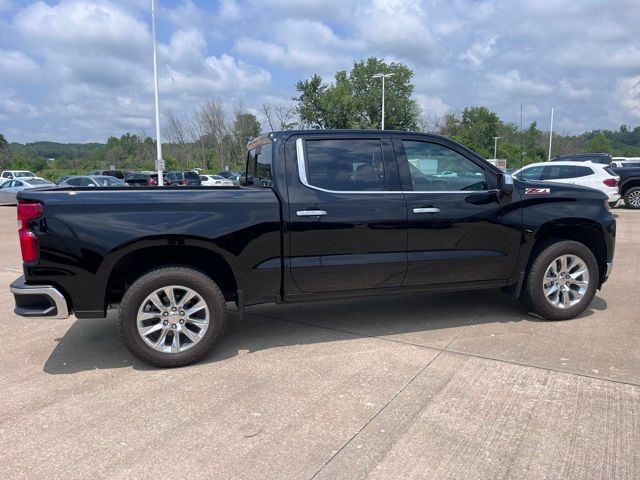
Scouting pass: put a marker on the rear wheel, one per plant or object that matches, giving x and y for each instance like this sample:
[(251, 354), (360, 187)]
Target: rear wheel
[(632, 197), (172, 316), (562, 281)]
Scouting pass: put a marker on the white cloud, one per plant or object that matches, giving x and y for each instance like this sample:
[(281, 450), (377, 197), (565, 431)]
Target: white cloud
[(397, 27), (5, 5), (432, 105), (16, 66), (627, 94), (479, 51), (569, 91), (512, 82), (232, 74), (83, 27), (10, 106)]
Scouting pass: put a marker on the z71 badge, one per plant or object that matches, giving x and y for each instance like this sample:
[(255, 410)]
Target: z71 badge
[(537, 191)]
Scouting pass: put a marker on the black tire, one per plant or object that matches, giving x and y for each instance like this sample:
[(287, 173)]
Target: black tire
[(533, 296), (163, 277), (630, 198)]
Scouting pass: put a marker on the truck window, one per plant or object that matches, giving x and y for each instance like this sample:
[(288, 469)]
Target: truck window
[(345, 165), (259, 172), (435, 167)]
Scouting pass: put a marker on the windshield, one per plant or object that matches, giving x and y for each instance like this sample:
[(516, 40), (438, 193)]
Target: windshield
[(24, 174)]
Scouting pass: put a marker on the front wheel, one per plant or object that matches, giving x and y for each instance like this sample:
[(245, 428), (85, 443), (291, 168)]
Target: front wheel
[(562, 281), (172, 316), (632, 197)]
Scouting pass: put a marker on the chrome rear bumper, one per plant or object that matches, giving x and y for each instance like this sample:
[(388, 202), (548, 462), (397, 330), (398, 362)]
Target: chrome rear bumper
[(38, 301)]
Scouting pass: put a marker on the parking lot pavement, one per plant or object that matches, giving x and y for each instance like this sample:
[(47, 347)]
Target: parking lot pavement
[(463, 385)]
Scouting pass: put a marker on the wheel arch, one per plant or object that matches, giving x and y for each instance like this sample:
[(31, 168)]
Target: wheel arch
[(628, 184), (136, 260), (585, 232)]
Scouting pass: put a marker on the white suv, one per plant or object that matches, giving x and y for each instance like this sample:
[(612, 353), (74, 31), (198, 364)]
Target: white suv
[(11, 174), (587, 174)]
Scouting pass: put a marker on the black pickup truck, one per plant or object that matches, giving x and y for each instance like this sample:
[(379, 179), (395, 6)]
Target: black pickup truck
[(629, 185), (322, 215)]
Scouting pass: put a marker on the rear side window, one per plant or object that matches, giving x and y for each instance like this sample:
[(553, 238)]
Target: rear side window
[(558, 172), (259, 171), (345, 165), (585, 171)]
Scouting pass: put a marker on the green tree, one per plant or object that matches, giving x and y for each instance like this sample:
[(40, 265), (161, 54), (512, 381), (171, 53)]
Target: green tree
[(4, 152), (600, 143), (478, 126), (311, 102), (354, 100), (533, 149)]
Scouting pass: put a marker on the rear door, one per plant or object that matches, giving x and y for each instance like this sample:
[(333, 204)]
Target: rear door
[(560, 173), (460, 228), (346, 217)]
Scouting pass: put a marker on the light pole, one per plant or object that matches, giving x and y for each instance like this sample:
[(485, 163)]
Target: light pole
[(383, 76), (495, 147), (550, 136), (159, 161)]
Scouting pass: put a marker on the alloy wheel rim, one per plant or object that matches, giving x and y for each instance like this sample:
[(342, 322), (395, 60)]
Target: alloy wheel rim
[(173, 319), (634, 198), (566, 281)]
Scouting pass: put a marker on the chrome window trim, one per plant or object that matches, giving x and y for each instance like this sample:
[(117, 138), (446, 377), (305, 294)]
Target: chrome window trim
[(302, 175)]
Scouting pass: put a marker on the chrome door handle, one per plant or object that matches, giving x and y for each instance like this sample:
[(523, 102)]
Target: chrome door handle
[(426, 210), (311, 213)]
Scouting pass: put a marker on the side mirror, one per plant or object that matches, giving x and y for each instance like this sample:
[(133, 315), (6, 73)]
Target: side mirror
[(505, 183)]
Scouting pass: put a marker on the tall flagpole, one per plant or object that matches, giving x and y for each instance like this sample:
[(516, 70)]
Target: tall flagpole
[(159, 161)]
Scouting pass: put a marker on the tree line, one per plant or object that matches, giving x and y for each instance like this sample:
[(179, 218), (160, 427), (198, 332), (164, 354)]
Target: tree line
[(213, 136)]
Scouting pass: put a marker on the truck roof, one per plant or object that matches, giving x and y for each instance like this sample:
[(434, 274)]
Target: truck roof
[(269, 137)]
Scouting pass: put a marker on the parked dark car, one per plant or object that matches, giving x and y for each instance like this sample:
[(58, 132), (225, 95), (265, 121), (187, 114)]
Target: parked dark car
[(327, 214), (191, 179), (138, 179), (603, 158)]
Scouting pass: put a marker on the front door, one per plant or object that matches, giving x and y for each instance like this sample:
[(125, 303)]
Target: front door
[(460, 228), (347, 215)]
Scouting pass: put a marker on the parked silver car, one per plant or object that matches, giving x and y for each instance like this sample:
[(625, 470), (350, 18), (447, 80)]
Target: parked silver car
[(9, 189), (93, 181)]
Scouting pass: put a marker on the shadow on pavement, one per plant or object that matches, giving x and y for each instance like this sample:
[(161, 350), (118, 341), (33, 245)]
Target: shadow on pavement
[(95, 343)]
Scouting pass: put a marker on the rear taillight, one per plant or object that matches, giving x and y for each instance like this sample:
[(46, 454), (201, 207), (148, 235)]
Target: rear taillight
[(183, 181), (28, 240), (610, 182)]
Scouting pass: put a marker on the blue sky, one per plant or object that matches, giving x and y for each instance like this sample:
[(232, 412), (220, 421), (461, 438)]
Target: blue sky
[(80, 70)]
